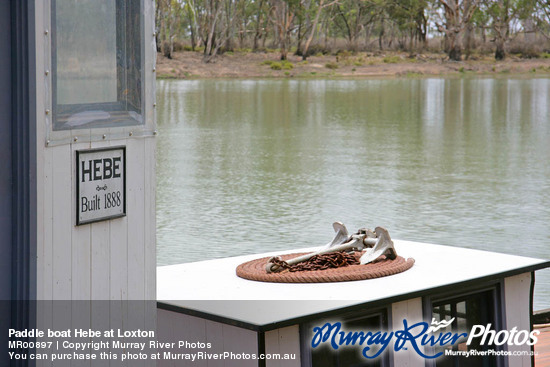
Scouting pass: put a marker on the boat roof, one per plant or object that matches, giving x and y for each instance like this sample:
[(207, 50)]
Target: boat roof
[(211, 289)]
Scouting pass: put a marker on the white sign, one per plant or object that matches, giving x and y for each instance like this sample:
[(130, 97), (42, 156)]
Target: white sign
[(101, 184)]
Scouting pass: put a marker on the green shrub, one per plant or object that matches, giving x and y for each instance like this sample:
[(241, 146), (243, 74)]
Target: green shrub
[(266, 62), (391, 59), (331, 65), (287, 65), (545, 55), (276, 66)]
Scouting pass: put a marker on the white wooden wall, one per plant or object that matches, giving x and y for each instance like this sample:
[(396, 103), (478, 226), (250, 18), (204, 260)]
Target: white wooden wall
[(517, 293), (174, 327), (283, 341), (109, 260)]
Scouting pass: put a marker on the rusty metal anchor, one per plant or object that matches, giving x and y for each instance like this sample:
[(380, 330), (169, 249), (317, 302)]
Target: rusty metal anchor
[(376, 243)]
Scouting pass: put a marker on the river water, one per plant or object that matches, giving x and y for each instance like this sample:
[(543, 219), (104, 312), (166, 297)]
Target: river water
[(250, 166)]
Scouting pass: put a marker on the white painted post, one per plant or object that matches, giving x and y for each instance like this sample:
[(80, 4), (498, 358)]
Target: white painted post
[(411, 310), (517, 295)]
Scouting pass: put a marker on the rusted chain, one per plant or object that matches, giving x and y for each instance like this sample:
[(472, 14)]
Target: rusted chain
[(255, 270), (321, 262)]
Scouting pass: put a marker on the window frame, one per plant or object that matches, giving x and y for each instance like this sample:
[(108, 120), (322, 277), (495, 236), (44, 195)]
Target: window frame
[(498, 310), (114, 106), (99, 133)]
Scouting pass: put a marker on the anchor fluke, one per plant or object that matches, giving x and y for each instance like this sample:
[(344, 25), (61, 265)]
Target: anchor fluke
[(383, 246), (341, 235)]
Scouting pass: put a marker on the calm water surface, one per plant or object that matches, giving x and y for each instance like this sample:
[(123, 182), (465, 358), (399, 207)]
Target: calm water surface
[(253, 166)]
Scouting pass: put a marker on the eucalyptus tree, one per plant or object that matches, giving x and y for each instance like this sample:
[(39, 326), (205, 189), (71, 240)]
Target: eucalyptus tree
[(210, 14), (411, 18), (506, 16), (189, 15), (245, 22), (456, 16), (541, 17), (351, 17), (215, 26), (166, 18), (501, 13), (259, 22), (312, 29), (479, 22), (282, 15), (234, 12), (159, 18)]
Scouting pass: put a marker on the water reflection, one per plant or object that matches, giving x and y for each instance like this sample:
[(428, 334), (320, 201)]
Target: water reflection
[(253, 166)]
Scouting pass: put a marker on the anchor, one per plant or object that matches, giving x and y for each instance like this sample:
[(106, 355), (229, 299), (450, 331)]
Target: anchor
[(376, 243)]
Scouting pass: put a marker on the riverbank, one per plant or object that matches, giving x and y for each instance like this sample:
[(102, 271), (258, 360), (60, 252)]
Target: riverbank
[(189, 65)]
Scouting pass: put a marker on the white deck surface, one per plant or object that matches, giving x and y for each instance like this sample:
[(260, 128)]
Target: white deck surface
[(196, 285)]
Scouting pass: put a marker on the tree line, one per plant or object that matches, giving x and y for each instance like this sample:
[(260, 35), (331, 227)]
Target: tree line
[(311, 26)]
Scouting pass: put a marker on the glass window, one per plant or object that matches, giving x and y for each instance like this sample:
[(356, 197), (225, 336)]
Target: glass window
[(325, 356), (473, 309), (97, 63)]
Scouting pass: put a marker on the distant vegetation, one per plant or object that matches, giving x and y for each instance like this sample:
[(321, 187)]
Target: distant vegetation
[(460, 28)]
